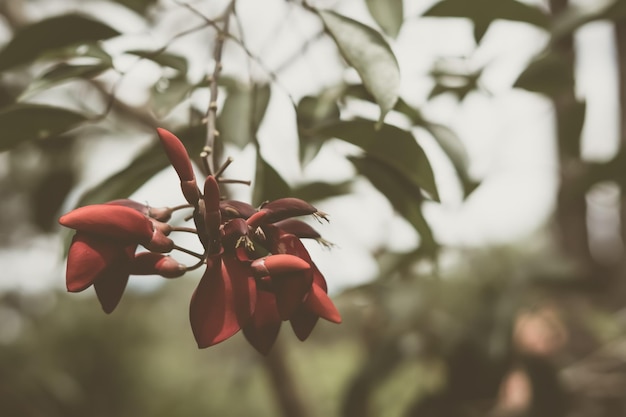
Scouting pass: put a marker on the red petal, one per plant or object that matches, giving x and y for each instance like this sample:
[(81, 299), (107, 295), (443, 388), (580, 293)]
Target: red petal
[(244, 288), (280, 242), (285, 208), (290, 290), (262, 330), (111, 283), (177, 154), (298, 228), (319, 303), (279, 264), (116, 222), (234, 209), (212, 313), (161, 214), (88, 257), (302, 322)]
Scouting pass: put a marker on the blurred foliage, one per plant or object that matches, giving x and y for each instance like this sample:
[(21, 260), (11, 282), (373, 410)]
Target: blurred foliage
[(535, 329)]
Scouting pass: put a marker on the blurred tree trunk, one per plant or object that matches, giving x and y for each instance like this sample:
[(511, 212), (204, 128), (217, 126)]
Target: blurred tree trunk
[(620, 40), (286, 388), (571, 210)]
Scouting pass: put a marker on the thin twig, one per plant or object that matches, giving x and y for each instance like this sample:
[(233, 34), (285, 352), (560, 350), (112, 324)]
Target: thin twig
[(241, 43), (188, 252), (211, 114), (184, 229)]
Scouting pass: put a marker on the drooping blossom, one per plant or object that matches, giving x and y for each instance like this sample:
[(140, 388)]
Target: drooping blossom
[(257, 274)]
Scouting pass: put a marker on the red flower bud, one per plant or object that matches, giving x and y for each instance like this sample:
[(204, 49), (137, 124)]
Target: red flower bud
[(282, 209), (148, 263), (177, 154), (117, 222), (159, 242), (161, 214), (212, 217), (298, 228), (179, 158), (278, 264), (236, 209), (164, 228)]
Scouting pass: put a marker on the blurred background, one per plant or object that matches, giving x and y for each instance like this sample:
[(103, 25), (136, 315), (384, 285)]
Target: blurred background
[(478, 258)]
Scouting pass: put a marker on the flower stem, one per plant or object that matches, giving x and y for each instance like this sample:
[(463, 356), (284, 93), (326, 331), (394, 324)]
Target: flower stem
[(184, 229), (188, 252), (211, 114)]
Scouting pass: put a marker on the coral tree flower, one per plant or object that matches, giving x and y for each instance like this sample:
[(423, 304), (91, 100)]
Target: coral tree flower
[(242, 287), (102, 252), (258, 273)]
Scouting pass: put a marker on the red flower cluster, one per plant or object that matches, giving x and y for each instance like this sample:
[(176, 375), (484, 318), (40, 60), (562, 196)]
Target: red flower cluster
[(258, 272)]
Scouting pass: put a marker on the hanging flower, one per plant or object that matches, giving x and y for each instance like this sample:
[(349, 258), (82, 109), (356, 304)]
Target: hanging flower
[(258, 273)]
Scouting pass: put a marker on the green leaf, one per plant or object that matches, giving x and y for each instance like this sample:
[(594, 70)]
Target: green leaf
[(80, 51), (389, 15), (448, 141), (405, 198), (146, 165), (164, 59), (315, 191), (392, 145), (313, 113), (576, 16), (23, 122), (168, 93), (549, 74), (268, 184), (454, 149), (242, 113), (139, 6), (366, 50), (61, 73), (32, 41), (483, 12)]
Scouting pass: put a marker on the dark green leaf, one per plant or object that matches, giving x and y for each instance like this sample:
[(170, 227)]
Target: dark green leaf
[(242, 113), (22, 122), (56, 32), (570, 127), (574, 16), (164, 59), (484, 12), (452, 8), (146, 165), (402, 194), (550, 74), (445, 137), (321, 190), (366, 50), (389, 15), (313, 113), (454, 149), (61, 73), (392, 145), (81, 51), (139, 6), (268, 184), (168, 93)]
